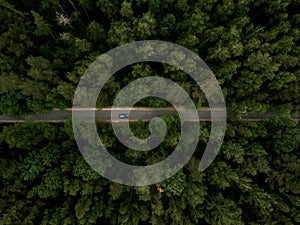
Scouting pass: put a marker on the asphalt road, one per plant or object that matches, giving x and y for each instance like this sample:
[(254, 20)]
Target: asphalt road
[(144, 114)]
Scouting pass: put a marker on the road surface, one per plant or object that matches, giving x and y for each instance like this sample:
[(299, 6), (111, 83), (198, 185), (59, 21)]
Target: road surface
[(137, 113)]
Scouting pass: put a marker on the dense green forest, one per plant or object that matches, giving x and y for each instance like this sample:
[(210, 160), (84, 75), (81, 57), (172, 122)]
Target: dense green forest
[(253, 48), (255, 179)]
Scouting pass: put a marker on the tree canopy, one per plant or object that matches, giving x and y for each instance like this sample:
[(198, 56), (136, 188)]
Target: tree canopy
[(253, 48)]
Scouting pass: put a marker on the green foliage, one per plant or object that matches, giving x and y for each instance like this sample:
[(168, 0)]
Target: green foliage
[(251, 46), (96, 32), (42, 27), (174, 185), (145, 27), (12, 104), (250, 181), (284, 135), (126, 10), (41, 69), (82, 170), (119, 33)]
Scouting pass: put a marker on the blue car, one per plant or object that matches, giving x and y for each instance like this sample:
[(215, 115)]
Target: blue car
[(123, 116)]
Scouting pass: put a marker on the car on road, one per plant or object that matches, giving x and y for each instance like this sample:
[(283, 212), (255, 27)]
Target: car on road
[(123, 115)]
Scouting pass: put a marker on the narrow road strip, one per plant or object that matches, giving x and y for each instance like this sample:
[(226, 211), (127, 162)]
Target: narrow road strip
[(136, 113)]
